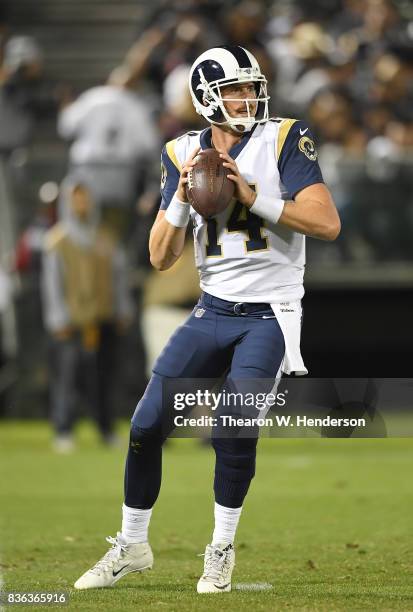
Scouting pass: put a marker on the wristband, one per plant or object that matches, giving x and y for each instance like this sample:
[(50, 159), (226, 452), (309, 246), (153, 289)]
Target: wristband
[(268, 208), (177, 213)]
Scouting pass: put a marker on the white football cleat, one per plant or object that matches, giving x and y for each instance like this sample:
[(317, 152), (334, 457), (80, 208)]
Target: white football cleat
[(121, 559), (218, 565)]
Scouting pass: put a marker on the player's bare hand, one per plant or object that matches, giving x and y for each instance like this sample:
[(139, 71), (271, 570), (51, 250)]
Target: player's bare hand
[(183, 179), (243, 191)]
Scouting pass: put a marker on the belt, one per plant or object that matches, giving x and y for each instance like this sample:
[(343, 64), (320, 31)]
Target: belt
[(235, 308)]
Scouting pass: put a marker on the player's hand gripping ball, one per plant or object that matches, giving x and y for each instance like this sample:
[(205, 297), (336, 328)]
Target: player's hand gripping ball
[(208, 189)]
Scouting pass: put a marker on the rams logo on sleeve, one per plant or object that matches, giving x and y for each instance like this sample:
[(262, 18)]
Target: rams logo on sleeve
[(164, 174), (306, 146)]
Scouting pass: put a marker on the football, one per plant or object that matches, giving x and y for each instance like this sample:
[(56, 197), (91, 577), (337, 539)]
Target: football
[(208, 189)]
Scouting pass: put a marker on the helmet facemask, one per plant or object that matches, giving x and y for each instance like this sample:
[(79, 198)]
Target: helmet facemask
[(213, 107)]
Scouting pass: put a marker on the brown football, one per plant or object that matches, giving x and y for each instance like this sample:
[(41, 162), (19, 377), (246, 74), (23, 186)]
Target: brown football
[(208, 189)]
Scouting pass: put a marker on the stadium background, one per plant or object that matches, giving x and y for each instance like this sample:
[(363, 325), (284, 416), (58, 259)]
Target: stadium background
[(328, 521)]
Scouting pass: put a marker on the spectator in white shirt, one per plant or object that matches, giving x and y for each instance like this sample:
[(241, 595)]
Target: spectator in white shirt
[(114, 140)]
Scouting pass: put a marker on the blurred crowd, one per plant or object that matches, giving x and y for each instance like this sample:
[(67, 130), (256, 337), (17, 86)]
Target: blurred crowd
[(346, 66)]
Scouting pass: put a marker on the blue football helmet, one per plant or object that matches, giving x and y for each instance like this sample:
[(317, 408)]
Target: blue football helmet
[(228, 65)]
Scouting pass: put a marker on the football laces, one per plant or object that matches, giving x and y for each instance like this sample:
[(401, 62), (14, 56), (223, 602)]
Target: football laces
[(190, 179)]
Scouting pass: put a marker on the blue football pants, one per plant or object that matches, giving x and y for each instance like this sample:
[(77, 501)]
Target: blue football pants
[(219, 339)]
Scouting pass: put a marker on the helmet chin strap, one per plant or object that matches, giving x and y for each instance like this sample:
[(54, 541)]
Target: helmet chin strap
[(239, 128)]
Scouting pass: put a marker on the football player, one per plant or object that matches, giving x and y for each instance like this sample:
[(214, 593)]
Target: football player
[(247, 323)]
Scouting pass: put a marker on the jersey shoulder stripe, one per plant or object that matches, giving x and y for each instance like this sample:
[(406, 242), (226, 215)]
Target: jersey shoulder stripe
[(177, 149), (170, 150), (285, 127)]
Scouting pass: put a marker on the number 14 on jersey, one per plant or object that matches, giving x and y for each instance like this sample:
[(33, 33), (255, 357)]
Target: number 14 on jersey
[(240, 220)]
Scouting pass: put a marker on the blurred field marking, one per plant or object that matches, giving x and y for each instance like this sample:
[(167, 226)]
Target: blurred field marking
[(253, 586)]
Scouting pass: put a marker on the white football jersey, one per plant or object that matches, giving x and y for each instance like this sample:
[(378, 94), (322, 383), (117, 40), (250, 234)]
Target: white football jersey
[(239, 256)]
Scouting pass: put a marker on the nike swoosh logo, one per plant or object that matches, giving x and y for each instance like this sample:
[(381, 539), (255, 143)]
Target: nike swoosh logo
[(119, 571), (224, 586), (302, 132)]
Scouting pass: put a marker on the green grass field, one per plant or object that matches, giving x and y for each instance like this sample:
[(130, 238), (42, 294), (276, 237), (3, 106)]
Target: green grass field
[(328, 523)]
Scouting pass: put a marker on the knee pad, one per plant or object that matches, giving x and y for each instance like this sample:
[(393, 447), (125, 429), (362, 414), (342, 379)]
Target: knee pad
[(141, 440), (235, 457)]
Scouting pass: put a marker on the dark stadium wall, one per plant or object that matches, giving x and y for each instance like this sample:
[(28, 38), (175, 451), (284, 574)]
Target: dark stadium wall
[(358, 333)]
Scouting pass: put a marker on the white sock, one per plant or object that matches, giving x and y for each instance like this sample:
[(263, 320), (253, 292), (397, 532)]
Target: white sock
[(226, 523), (135, 524)]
